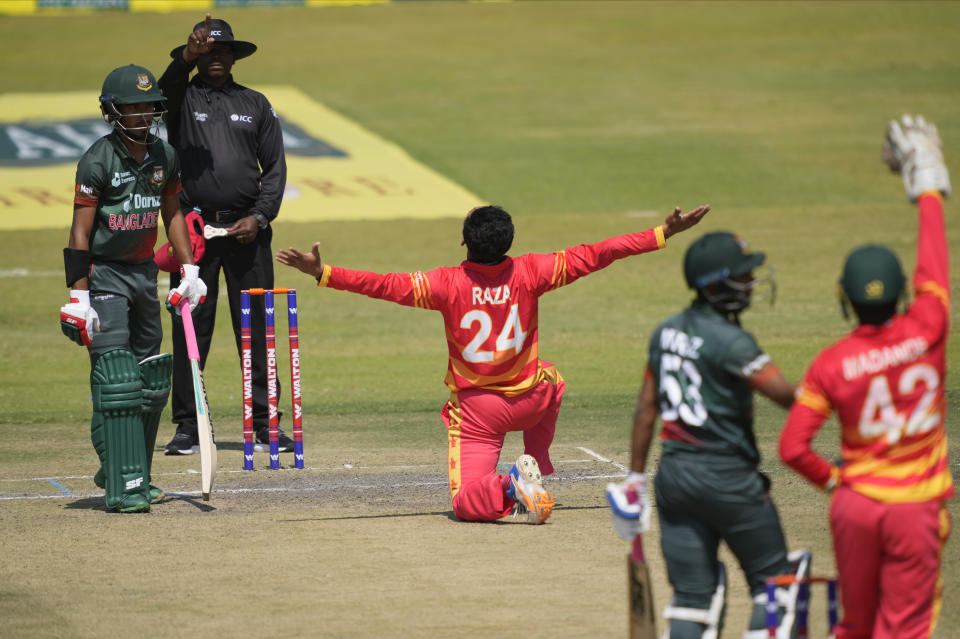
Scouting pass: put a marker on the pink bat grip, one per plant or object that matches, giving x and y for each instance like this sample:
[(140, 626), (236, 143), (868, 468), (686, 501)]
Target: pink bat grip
[(192, 351), (637, 548)]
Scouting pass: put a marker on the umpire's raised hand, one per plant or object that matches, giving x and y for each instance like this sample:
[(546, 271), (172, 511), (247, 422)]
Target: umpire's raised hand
[(199, 42)]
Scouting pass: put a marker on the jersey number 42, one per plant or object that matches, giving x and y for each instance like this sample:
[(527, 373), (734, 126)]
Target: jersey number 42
[(879, 414)]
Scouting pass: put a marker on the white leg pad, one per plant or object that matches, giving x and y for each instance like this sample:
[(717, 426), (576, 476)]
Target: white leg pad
[(710, 617), (786, 598)]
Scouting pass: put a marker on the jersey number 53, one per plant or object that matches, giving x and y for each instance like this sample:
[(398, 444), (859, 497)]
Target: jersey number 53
[(680, 385)]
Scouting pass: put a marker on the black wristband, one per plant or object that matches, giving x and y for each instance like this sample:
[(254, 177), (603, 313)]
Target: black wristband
[(76, 265)]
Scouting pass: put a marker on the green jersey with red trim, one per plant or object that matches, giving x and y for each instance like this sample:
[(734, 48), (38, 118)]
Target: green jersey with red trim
[(700, 362), (126, 195)]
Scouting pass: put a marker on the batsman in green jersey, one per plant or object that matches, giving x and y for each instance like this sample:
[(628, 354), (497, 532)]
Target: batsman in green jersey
[(126, 183), (702, 371)]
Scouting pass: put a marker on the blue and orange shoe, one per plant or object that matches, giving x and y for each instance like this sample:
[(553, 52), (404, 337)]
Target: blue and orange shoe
[(533, 503)]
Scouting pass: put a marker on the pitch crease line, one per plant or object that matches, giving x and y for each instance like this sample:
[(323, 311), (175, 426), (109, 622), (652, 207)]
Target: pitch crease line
[(600, 457)]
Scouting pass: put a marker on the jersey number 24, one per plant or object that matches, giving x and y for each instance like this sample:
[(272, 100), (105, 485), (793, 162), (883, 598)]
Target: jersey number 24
[(511, 336)]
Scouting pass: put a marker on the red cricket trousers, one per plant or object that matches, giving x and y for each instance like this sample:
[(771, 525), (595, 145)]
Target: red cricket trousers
[(888, 565), (477, 421)]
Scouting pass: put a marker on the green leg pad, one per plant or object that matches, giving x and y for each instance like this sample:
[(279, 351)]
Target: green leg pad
[(116, 388), (99, 445), (155, 379)]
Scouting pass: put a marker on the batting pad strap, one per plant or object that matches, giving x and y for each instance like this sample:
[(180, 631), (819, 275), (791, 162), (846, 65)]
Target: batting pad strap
[(76, 265), (696, 615)]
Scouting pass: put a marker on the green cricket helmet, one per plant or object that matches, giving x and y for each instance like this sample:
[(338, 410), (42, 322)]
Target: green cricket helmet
[(872, 276), (711, 265), (131, 84)]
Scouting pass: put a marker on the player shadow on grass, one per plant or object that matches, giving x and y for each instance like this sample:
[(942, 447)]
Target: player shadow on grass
[(449, 514), (229, 445), (97, 503)]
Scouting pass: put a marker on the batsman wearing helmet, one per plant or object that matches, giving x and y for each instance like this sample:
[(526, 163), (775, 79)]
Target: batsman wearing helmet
[(127, 181), (702, 371), (885, 383)]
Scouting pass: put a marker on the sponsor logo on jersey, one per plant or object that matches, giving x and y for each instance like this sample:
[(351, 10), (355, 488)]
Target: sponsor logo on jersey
[(200, 117), (145, 201), (756, 365), (241, 118), (157, 178), (122, 178), (86, 190), (143, 82)]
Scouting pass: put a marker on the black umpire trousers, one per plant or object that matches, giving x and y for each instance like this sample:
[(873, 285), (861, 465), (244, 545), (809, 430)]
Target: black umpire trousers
[(244, 266)]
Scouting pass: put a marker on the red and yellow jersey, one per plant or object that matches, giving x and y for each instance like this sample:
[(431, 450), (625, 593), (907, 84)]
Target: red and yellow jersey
[(490, 313), (885, 384)]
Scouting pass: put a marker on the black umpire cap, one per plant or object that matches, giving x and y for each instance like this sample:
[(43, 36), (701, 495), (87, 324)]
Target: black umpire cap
[(220, 31)]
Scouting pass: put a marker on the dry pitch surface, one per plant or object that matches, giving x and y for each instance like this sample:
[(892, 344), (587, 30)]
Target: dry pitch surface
[(340, 549)]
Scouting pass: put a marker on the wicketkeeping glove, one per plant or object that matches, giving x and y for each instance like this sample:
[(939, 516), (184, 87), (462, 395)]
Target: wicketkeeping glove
[(191, 287), (630, 506), (913, 149), (78, 320)]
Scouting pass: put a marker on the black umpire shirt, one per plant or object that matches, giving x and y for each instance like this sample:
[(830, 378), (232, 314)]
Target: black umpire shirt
[(230, 145)]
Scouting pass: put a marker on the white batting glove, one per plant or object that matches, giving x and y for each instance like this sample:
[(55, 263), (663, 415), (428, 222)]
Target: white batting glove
[(78, 320), (914, 150), (630, 506), (191, 287)]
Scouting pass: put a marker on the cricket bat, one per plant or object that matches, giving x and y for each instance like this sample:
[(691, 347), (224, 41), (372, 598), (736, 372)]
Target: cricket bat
[(208, 445), (643, 624)]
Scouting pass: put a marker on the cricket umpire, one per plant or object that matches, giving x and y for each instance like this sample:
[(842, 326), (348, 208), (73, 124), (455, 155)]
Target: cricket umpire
[(233, 171)]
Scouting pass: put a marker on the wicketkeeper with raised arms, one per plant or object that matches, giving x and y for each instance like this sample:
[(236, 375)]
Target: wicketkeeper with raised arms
[(885, 382), (127, 181), (498, 383)]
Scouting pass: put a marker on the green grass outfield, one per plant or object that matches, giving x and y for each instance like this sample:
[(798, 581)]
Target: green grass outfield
[(585, 120)]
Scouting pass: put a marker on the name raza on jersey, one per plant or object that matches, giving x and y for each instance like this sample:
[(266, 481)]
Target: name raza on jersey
[(487, 295)]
